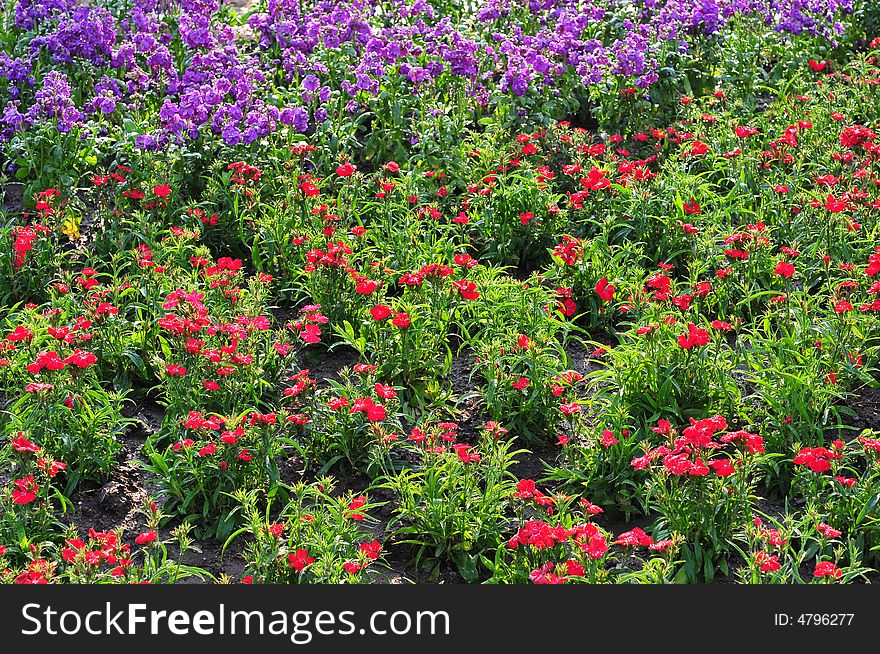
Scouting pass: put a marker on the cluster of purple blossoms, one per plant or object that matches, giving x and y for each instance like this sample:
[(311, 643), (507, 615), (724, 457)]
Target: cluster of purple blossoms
[(86, 33), (30, 13), (304, 61), (53, 101)]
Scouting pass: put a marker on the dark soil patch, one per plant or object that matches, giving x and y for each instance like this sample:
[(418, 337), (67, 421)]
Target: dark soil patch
[(616, 523), (119, 501), (401, 570), (580, 357), (283, 315), (533, 465), (209, 556), (460, 372), (865, 406), (471, 418), (290, 470), (149, 415), (770, 504), (325, 366), (13, 199)]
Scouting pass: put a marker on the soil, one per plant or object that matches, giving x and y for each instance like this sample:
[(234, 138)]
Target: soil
[(461, 372), (118, 502), (12, 199), (325, 366), (865, 404), (580, 358), (209, 555), (533, 465)]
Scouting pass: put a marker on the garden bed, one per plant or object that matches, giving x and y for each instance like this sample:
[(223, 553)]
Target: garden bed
[(410, 292)]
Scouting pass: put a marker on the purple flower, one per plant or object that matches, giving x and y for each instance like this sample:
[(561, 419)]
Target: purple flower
[(297, 117)]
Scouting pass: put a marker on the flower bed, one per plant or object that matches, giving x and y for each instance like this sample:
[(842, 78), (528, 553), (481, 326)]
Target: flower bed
[(549, 292)]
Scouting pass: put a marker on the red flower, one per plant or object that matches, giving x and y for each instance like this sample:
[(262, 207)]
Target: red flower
[(695, 337), (595, 546), (784, 269), (31, 577), (828, 530), (842, 306), (146, 538), (229, 438), (465, 454), (767, 563), (309, 189), (522, 383), (276, 529), (46, 360), (20, 333), (366, 286), (570, 251), (697, 149), (702, 289), (745, 132), (661, 545), (401, 320), (375, 412), (753, 442), (570, 409), (311, 333), (634, 537), (467, 289), (664, 427), (345, 170), (817, 459), (605, 290), (574, 568), (834, 205), (722, 467), (683, 302), (371, 550), (162, 190), (827, 569), (299, 560), (50, 467), (736, 254), (692, 208), (353, 506), (385, 392), (526, 489), (380, 312), (22, 444), (544, 574), (26, 490)]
